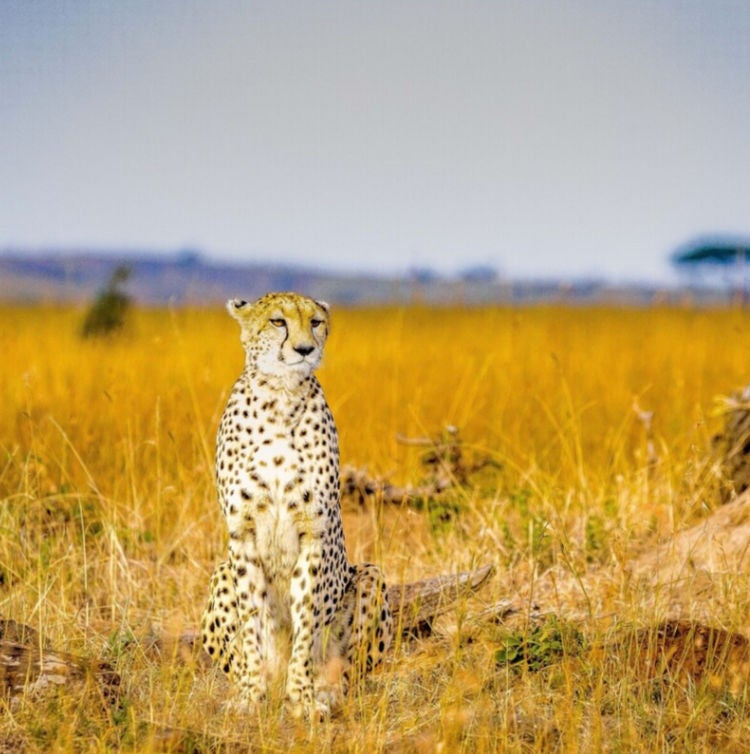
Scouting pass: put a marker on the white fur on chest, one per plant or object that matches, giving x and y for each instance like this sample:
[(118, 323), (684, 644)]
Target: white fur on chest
[(277, 543), (278, 466), (268, 492)]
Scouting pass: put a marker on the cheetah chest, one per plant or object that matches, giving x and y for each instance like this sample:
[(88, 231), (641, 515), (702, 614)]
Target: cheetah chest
[(269, 486)]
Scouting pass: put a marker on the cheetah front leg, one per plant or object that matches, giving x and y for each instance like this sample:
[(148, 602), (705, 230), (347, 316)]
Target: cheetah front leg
[(299, 684), (251, 593), (220, 621)]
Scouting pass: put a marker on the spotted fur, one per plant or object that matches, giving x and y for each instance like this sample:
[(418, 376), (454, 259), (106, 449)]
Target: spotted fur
[(277, 474)]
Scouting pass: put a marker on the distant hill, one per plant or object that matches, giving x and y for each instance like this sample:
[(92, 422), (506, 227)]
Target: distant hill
[(186, 278), (180, 278)]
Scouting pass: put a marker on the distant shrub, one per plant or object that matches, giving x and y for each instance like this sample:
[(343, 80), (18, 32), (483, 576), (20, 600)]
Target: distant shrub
[(107, 313)]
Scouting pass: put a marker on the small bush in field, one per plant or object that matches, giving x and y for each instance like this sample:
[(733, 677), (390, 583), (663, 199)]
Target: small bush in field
[(540, 646), (107, 314)]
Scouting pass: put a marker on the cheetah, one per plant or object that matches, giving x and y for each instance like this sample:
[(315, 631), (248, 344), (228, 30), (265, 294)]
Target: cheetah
[(277, 475)]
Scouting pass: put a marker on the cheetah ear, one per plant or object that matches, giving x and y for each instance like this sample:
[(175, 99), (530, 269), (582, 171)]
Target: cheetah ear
[(325, 306), (237, 307)]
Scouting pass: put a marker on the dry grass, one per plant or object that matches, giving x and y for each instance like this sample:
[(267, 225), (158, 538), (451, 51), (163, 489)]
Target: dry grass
[(110, 528)]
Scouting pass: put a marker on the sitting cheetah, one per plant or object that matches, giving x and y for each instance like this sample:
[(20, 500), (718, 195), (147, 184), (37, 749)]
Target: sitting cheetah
[(277, 465)]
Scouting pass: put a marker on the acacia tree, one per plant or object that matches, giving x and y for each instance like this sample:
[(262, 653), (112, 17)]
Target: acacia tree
[(703, 259), (713, 254)]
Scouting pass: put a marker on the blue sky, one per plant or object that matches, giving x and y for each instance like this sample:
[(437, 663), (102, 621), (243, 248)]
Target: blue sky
[(544, 137)]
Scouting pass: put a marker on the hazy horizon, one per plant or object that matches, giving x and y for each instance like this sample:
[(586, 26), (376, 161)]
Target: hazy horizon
[(578, 140)]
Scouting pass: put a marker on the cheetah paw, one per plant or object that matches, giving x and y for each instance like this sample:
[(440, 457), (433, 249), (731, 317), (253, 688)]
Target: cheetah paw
[(319, 709), (242, 706)]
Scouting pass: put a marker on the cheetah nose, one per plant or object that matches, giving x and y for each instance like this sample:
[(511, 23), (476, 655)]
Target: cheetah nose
[(304, 350)]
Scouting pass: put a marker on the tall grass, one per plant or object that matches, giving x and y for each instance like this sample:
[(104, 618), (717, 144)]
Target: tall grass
[(109, 526)]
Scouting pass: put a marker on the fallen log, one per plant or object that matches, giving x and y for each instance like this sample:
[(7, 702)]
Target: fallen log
[(720, 543), (29, 669), (680, 578), (415, 606)]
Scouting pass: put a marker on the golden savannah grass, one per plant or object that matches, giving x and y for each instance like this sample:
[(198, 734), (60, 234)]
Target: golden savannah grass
[(109, 526)]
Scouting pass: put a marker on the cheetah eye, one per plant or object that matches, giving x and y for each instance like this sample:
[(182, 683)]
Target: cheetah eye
[(316, 323), (278, 322)]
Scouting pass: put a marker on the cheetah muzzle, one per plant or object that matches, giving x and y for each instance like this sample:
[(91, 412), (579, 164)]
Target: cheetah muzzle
[(277, 475)]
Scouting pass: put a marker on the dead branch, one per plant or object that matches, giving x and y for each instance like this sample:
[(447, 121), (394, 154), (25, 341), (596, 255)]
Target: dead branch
[(357, 484), (444, 464)]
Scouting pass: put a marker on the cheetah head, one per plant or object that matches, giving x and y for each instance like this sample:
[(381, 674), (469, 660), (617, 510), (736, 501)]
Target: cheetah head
[(282, 333)]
